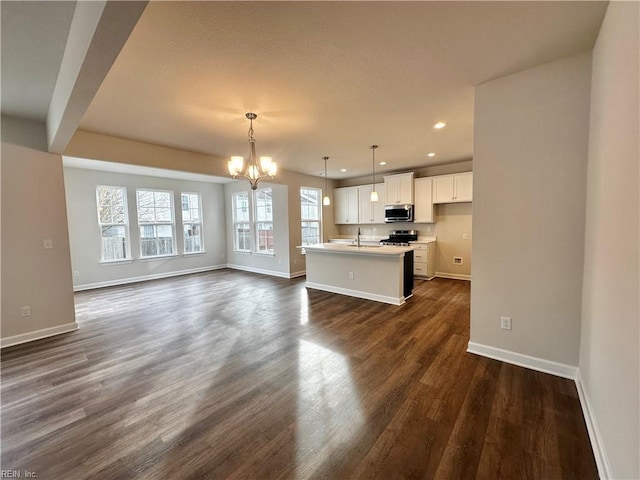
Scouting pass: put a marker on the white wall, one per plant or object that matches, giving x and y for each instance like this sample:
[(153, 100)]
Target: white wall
[(609, 352), (530, 156), (33, 209), (85, 239)]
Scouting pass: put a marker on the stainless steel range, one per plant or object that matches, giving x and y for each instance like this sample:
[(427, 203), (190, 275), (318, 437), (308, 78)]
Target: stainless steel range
[(400, 237)]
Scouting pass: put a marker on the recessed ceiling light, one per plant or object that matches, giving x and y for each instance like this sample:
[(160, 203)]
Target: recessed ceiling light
[(343, 169), (383, 163), (431, 154), (440, 125)]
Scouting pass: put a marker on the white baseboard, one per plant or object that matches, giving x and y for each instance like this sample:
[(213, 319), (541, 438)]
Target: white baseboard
[(301, 273), (356, 293), (534, 363), (144, 278), (38, 334), (599, 452), (261, 271), (453, 276)]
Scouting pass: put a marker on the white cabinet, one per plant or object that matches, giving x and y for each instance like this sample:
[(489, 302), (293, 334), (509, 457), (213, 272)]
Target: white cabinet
[(424, 259), (371, 212), (453, 188), (345, 205), (399, 189), (423, 212)]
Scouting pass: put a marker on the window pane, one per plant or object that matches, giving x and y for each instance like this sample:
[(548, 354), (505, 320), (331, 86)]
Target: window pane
[(186, 212), (163, 214), (114, 245), (241, 207), (264, 235), (310, 213), (192, 238), (242, 236), (162, 199), (117, 214), (310, 233), (112, 217), (104, 214), (148, 247)]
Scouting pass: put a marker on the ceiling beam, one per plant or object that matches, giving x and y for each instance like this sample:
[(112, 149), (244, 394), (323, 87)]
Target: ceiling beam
[(98, 32)]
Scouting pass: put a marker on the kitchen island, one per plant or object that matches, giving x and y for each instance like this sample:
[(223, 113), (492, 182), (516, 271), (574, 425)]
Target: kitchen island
[(382, 273)]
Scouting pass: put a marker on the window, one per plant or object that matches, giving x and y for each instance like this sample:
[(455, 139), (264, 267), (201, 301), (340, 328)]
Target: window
[(113, 221), (310, 212), (263, 204), (155, 218), (241, 222), (192, 223)]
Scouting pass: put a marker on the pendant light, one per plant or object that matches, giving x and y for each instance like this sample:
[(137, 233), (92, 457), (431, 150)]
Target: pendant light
[(374, 194), (253, 171), (326, 200)]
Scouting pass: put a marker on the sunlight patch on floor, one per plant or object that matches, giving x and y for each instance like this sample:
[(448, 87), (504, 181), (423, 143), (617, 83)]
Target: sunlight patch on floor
[(329, 411)]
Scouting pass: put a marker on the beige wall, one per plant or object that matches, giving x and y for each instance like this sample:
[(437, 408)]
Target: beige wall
[(609, 352), (33, 209), (97, 146), (453, 220), (530, 156)]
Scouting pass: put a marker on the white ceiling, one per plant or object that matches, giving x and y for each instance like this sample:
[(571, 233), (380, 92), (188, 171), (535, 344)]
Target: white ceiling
[(326, 78), (34, 35)]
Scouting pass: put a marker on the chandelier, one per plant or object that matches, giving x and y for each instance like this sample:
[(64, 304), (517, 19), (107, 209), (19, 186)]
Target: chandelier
[(253, 171)]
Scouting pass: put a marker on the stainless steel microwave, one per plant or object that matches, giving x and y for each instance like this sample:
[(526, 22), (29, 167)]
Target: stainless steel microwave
[(398, 213)]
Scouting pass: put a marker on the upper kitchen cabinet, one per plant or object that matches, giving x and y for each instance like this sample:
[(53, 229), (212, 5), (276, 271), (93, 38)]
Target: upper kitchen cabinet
[(371, 212), (453, 188), (424, 202), (345, 205), (399, 189)]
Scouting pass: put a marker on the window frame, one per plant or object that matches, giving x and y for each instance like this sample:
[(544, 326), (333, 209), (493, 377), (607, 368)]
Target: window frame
[(191, 222), (157, 223), (256, 222), (236, 222), (125, 224), (307, 220)]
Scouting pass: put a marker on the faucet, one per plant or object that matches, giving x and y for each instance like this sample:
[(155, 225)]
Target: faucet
[(358, 237)]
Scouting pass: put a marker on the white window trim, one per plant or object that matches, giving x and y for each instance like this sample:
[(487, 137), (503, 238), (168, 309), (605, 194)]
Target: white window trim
[(319, 220), (172, 224), (235, 222), (254, 224), (128, 256), (203, 251)]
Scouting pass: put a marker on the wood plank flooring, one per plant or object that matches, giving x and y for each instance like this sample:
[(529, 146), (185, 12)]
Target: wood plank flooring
[(235, 375)]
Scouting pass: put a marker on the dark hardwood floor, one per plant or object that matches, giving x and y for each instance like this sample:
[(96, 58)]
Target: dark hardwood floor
[(235, 375)]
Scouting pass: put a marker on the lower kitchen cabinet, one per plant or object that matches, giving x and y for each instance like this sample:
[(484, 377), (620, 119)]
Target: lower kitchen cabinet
[(424, 259)]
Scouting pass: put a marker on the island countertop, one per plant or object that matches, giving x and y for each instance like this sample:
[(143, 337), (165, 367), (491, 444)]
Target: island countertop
[(340, 248)]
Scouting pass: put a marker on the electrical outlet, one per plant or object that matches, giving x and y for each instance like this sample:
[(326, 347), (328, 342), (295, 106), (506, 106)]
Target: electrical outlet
[(351, 275), (76, 273), (457, 260), (25, 311), (47, 244), (505, 323), (465, 236)]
